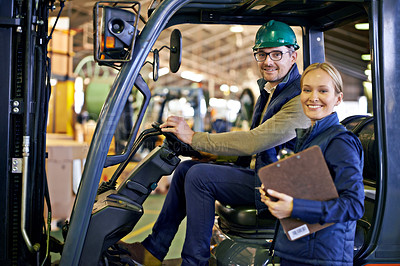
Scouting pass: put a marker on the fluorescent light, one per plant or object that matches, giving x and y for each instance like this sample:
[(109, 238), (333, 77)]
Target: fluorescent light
[(53, 82), (234, 88), (79, 95), (234, 105), (366, 57), (192, 76), (217, 102), (236, 28), (362, 26), (224, 87), (363, 104), (163, 71)]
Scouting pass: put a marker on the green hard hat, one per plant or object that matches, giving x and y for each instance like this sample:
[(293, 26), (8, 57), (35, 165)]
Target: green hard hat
[(275, 34)]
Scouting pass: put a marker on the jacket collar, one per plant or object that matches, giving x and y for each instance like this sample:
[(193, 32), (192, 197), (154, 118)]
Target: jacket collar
[(320, 125), (327, 121), (292, 75)]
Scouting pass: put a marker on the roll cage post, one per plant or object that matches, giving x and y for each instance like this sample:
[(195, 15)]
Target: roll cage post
[(313, 46)]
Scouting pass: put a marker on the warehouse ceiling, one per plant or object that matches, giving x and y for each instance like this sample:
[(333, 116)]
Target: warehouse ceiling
[(222, 56)]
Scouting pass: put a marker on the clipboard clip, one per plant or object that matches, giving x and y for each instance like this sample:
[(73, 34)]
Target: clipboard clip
[(283, 153)]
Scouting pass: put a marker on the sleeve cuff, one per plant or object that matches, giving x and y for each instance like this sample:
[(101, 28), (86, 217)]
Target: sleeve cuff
[(197, 136), (309, 211)]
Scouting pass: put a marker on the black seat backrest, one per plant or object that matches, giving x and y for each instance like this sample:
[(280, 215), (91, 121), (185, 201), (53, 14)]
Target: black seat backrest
[(363, 127)]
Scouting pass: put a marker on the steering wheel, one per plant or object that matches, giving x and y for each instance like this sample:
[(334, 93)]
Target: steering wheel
[(178, 146)]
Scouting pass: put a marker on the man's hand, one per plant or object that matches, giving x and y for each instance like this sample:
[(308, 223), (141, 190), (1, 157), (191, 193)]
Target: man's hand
[(178, 126), (282, 208)]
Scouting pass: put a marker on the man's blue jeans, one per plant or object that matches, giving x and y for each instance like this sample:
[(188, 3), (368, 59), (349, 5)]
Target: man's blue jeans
[(194, 188)]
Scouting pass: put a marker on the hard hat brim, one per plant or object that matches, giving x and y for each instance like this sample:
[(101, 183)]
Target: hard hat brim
[(274, 44)]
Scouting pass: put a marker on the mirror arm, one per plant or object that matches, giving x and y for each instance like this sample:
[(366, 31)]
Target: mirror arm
[(147, 62), (171, 49)]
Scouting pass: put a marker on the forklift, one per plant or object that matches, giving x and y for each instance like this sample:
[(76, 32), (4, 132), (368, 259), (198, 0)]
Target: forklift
[(104, 214)]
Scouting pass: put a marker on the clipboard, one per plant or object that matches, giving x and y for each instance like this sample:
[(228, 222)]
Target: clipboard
[(303, 175)]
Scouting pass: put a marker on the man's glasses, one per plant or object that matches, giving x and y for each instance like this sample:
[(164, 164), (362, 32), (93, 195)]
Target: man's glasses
[(275, 55)]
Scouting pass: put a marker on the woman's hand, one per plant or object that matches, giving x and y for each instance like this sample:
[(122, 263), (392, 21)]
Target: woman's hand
[(179, 127), (282, 208)]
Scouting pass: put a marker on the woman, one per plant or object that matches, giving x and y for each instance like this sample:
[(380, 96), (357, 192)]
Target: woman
[(321, 91)]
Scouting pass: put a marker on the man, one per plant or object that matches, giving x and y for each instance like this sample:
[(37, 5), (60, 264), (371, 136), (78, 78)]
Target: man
[(195, 186)]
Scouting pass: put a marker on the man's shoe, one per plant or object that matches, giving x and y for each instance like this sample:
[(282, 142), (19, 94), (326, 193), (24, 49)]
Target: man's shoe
[(140, 254)]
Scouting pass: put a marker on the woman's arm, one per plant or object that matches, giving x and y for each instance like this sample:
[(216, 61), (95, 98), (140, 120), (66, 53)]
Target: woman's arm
[(344, 159)]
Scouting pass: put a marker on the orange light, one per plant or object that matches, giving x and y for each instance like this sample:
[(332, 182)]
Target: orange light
[(110, 42), (102, 43)]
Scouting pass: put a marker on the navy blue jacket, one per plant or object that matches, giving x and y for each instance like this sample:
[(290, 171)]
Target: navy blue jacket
[(284, 92), (344, 156)]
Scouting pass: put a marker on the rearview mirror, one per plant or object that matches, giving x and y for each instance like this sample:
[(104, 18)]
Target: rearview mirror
[(156, 64), (175, 54)]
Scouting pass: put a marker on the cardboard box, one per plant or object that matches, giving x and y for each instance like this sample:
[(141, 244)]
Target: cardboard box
[(61, 52), (61, 65), (65, 162), (62, 41)]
